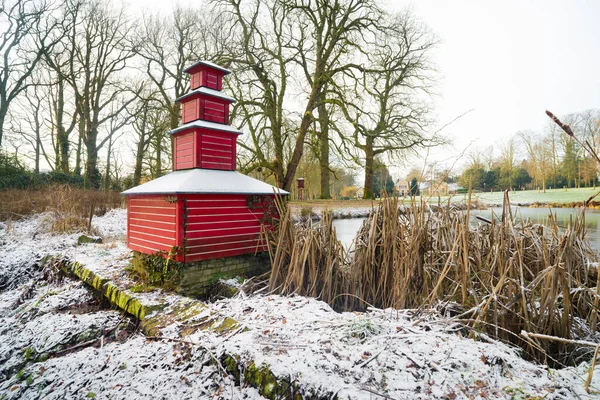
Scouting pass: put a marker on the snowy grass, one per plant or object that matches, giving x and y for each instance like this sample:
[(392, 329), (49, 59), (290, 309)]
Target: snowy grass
[(398, 354)]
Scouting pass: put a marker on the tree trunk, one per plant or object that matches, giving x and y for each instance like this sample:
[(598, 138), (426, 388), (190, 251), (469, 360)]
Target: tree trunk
[(107, 174), (62, 138), (324, 151), (173, 123), (38, 143), (139, 158), (369, 163), (159, 158), (79, 146), (91, 178), (299, 145), (2, 118)]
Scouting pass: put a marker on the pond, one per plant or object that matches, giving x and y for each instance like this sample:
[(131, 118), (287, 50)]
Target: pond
[(347, 229), (563, 215)]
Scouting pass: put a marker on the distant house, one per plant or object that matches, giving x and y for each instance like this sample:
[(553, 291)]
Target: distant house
[(437, 189), (402, 188), (453, 187)]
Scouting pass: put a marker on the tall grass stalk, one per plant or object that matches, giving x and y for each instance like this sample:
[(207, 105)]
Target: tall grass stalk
[(507, 275)]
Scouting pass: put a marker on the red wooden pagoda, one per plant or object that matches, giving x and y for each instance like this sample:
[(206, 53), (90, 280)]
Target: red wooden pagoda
[(204, 209)]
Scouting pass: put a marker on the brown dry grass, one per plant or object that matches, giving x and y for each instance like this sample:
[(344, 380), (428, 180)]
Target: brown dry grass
[(70, 209), (503, 277)]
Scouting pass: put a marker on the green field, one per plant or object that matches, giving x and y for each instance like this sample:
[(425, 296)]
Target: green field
[(532, 196), (553, 196)]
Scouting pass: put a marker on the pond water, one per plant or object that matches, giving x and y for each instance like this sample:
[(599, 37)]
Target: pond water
[(347, 229), (563, 215)]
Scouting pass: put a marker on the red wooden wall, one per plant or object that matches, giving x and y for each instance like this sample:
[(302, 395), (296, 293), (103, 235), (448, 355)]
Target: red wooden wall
[(203, 226), (207, 77), (217, 150), (206, 108), (223, 225), (190, 110), (185, 151), (205, 148), (152, 222)]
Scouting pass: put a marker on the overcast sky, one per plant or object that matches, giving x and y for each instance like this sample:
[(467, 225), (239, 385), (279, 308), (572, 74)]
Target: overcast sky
[(507, 60), (510, 60)]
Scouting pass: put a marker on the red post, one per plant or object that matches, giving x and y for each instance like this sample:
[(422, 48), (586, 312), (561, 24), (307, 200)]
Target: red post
[(300, 188)]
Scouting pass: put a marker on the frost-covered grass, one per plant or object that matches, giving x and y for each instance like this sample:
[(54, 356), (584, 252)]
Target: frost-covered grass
[(395, 354), (390, 353), (122, 365)]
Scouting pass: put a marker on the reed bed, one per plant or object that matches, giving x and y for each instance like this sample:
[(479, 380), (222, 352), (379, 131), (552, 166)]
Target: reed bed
[(71, 208), (501, 277)]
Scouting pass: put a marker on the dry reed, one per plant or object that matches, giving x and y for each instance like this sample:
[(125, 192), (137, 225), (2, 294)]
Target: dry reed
[(70, 209), (507, 275)]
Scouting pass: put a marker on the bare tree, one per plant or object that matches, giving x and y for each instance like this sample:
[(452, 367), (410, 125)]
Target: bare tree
[(28, 30), (28, 125), (385, 105), (149, 126), (280, 40), (98, 49), (537, 157)]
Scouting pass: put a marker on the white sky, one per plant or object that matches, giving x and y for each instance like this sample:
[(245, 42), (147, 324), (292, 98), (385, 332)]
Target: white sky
[(507, 60), (510, 60)]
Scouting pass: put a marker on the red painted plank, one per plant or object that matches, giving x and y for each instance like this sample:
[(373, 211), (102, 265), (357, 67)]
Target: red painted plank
[(180, 226), (152, 230), (216, 201), (216, 142), (220, 239), (150, 201), (160, 210), (219, 166), (214, 248), (245, 221), (219, 159), (196, 80), (148, 248), (193, 211), (185, 138), (184, 146), (222, 217), (213, 118), (221, 254), (158, 218), (212, 197), (162, 240), (220, 232)]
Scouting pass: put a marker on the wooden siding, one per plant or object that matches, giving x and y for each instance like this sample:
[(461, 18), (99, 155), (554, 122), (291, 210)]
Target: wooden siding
[(152, 224), (185, 151), (223, 226), (214, 110), (206, 108), (216, 150), (206, 76), (190, 110)]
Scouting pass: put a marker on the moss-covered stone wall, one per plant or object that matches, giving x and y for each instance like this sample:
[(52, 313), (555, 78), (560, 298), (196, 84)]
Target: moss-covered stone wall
[(197, 276)]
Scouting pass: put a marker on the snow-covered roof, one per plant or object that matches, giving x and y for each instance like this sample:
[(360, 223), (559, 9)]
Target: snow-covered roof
[(208, 64), (207, 125), (205, 181), (208, 92)]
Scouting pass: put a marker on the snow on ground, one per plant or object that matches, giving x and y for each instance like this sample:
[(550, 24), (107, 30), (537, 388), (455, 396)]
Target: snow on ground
[(388, 353), (51, 321), (354, 355), (25, 242)]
